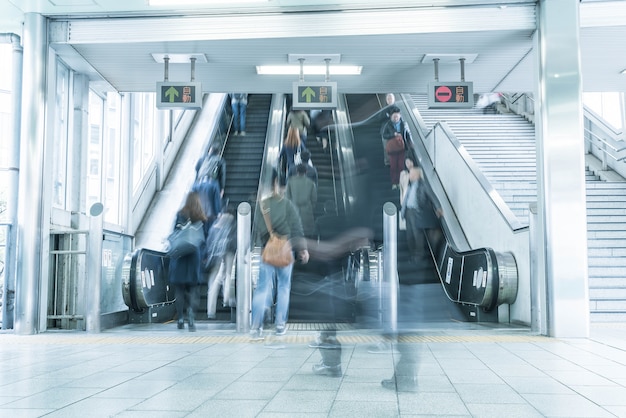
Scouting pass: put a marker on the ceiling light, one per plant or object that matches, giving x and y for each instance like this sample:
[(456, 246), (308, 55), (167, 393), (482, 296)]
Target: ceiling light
[(176, 3), (308, 69), (623, 71)]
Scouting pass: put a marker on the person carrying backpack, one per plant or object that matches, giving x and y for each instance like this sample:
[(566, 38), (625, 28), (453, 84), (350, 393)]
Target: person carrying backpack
[(212, 167)]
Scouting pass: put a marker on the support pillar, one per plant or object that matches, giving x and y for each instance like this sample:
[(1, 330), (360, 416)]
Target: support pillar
[(32, 145), (561, 168)]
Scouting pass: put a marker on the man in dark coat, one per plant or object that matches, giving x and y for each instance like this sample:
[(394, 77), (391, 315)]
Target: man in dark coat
[(421, 210)]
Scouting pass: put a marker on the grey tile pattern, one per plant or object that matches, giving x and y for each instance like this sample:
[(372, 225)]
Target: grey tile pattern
[(470, 372)]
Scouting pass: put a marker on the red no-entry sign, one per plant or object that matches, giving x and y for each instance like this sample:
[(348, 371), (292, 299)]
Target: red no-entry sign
[(443, 94)]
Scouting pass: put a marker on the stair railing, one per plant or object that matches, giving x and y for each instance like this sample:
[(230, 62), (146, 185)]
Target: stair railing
[(604, 142)]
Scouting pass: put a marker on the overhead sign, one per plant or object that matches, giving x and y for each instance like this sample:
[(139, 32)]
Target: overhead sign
[(455, 94), (174, 95), (314, 95)]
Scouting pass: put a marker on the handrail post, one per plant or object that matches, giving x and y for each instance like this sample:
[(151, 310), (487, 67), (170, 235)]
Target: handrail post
[(390, 268), (243, 277)]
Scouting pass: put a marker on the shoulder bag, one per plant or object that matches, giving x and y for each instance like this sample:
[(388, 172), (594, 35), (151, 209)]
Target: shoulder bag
[(395, 145), (185, 239), (277, 252)]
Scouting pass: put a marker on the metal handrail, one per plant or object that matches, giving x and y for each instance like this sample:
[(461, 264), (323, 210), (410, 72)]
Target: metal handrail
[(603, 143)]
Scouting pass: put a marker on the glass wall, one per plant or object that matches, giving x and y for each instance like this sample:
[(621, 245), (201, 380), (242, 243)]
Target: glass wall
[(142, 134), (60, 137), (607, 105)]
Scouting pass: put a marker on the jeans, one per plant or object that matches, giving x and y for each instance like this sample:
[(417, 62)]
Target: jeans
[(262, 298), (239, 116)]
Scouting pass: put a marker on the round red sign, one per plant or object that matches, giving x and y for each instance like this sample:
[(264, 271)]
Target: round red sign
[(443, 94)]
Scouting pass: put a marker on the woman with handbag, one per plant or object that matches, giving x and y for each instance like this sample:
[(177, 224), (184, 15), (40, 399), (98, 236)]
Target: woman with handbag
[(397, 139), (290, 153), (278, 231), (184, 272)]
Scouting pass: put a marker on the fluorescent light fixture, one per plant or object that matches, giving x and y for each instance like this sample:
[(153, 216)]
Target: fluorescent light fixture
[(623, 71), (308, 69), (176, 3)]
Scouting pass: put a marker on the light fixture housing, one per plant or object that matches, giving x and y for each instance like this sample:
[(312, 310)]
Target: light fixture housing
[(308, 69), (207, 3)]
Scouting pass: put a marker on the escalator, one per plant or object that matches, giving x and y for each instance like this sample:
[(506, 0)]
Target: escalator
[(477, 280), (145, 289), (244, 154)]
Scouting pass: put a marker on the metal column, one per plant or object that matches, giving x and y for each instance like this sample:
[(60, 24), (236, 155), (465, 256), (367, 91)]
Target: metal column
[(244, 281), (561, 168), (390, 268), (32, 145)]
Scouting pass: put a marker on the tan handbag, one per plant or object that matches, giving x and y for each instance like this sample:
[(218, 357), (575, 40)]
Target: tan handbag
[(277, 252)]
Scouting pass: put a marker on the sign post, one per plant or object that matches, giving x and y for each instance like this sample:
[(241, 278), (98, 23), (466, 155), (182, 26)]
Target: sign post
[(179, 95)]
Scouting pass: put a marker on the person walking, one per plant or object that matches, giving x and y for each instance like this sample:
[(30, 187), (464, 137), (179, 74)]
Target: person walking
[(303, 193), (239, 105), (184, 272), (421, 210), (291, 151), (396, 137), (285, 222), (299, 120)]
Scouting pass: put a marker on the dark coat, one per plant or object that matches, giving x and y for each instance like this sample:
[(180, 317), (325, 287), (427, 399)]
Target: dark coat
[(286, 156), (186, 269)]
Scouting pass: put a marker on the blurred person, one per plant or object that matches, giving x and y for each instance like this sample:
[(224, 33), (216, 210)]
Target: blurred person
[(395, 132), (320, 122), (291, 151), (298, 118), (311, 171), (212, 167), (220, 255), (303, 193), (285, 221), (184, 272), (421, 210), (409, 163), (488, 102), (332, 253), (239, 104)]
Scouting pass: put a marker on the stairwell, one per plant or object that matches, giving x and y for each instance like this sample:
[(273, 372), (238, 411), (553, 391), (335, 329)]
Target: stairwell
[(503, 146)]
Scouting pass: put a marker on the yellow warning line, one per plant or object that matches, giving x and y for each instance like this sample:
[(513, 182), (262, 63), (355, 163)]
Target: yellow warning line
[(103, 339)]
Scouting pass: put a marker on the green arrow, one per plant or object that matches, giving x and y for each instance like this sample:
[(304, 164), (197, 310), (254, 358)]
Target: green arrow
[(172, 92), (308, 92)]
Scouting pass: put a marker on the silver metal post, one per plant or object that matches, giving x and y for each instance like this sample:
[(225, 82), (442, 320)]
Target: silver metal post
[(462, 61), (436, 61), (327, 60), (166, 68), (244, 280), (301, 68), (94, 268), (193, 68), (390, 268)]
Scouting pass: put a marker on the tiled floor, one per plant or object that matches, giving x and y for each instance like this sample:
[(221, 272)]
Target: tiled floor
[(158, 371)]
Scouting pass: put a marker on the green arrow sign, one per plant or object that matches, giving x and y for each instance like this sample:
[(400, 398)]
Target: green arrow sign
[(172, 93), (308, 93)]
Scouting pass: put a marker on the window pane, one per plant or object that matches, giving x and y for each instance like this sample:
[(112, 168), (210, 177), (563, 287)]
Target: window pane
[(94, 150), (59, 148), (112, 158)]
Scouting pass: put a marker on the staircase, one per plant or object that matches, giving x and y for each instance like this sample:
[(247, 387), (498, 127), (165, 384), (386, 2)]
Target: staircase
[(503, 146)]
